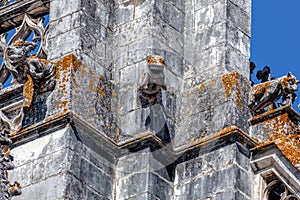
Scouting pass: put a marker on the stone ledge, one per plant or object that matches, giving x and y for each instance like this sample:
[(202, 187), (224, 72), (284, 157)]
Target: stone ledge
[(99, 142), (268, 158), (274, 113)]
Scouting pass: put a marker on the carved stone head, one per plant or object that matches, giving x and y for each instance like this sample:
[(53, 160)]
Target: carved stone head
[(156, 64), (15, 58), (289, 83)]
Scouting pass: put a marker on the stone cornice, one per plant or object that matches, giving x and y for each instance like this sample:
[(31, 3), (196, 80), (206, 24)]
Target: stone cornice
[(274, 113), (113, 149)]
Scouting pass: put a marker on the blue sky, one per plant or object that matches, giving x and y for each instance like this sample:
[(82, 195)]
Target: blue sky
[(275, 38)]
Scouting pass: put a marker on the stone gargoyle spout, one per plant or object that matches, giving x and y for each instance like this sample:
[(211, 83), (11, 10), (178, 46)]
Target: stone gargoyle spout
[(263, 96)]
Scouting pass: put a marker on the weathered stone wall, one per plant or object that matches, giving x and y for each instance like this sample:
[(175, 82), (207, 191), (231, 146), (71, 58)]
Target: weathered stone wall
[(58, 166), (220, 174), (100, 50), (80, 41), (212, 106), (144, 28), (216, 69), (140, 176), (217, 38)]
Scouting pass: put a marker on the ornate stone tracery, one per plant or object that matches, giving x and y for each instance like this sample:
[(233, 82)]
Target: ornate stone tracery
[(277, 190)]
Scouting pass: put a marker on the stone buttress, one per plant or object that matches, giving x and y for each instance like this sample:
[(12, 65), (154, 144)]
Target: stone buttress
[(135, 99)]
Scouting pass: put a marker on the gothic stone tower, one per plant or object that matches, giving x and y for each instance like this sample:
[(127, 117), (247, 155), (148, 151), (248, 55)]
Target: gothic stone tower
[(135, 99)]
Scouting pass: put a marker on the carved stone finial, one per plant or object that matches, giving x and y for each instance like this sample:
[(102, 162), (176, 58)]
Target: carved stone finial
[(265, 95), (252, 66), (264, 75)]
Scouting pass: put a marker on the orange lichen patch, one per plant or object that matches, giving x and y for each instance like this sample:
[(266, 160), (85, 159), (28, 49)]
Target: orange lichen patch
[(33, 57), (63, 87), (19, 43), (161, 61), (280, 126), (203, 86), (284, 135), (260, 88), (285, 81), (28, 91), (229, 82), (152, 60), (215, 136), (63, 104), (290, 147), (67, 62)]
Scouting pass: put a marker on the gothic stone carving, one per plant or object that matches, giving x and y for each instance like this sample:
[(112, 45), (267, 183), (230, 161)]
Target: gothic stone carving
[(277, 190), (7, 190), (152, 81), (16, 50), (35, 72), (264, 75), (3, 2), (150, 93), (20, 65), (264, 95)]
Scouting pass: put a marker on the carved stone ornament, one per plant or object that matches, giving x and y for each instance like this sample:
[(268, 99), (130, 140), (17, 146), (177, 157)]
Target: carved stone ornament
[(264, 95), (277, 190), (150, 93), (152, 81), (7, 190), (15, 52), (3, 2), (35, 72)]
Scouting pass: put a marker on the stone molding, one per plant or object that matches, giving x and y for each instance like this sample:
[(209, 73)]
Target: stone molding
[(269, 159)]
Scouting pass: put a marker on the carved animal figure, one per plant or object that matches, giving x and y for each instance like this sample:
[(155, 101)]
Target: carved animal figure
[(152, 82), (15, 189), (20, 64), (266, 94), (15, 58), (153, 79)]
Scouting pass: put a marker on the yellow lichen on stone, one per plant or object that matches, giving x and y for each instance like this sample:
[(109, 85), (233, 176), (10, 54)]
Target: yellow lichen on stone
[(285, 136), (231, 82), (258, 89), (28, 91)]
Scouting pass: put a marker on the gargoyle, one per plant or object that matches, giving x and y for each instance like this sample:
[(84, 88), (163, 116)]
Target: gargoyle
[(152, 81), (150, 93), (265, 94), (38, 77), (20, 65)]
